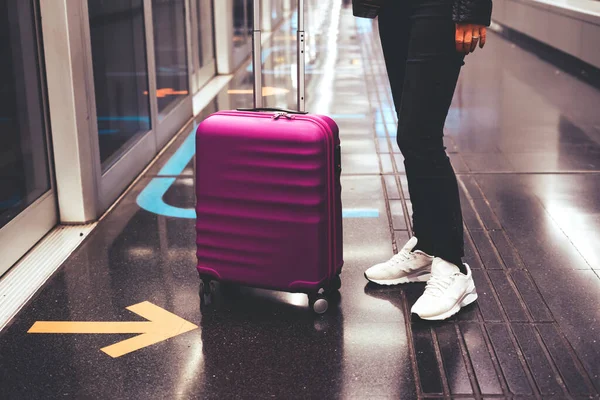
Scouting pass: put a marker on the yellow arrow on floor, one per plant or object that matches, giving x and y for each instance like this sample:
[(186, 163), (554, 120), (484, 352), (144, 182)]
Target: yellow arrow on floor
[(161, 325)]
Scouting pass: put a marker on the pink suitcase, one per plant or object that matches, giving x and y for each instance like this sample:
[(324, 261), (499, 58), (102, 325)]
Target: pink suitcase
[(268, 191)]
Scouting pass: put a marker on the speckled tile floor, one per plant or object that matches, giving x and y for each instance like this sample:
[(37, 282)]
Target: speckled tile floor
[(527, 154)]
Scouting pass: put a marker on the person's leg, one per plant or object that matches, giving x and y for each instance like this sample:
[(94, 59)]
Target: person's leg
[(431, 74), (394, 32), (395, 25)]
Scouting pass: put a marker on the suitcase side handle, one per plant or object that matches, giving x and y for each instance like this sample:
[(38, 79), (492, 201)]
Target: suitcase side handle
[(273, 109)]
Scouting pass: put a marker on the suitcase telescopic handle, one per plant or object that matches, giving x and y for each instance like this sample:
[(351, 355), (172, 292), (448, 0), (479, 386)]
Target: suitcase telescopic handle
[(257, 59)]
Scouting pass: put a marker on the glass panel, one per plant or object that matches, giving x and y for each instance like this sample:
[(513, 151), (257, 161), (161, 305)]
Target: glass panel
[(249, 18), (240, 23), (24, 172), (171, 53), (275, 4), (120, 75), (205, 32)]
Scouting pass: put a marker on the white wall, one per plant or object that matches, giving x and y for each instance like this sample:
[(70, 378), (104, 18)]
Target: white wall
[(572, 26)]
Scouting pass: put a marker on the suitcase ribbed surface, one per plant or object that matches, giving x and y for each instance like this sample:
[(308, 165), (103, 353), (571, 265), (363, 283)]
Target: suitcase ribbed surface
[(264, 200)]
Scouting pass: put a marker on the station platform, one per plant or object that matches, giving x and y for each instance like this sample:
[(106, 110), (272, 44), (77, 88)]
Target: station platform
[(524, 139)]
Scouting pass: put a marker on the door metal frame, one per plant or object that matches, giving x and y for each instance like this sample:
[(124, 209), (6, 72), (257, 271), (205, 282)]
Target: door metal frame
[(20, 234)]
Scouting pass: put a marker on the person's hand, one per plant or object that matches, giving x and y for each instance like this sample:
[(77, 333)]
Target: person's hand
[(467, 37)]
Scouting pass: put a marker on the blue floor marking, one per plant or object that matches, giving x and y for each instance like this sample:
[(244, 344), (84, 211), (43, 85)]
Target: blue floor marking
[(181, 158), (360, 213), (152, 197)]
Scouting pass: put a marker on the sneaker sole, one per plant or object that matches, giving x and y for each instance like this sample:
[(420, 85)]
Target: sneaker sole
[(468, 299), (399, 281)]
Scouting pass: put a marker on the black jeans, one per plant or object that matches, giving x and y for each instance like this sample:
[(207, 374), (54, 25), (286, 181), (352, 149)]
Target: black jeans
[(423, 67)]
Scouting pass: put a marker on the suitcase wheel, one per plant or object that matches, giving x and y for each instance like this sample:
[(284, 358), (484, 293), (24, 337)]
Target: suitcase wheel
[(335, 285), (207, 288), (318, 302)]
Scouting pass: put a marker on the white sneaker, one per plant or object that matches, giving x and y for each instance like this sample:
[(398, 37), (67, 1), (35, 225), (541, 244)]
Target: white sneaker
[(446, 293), (404, 267)]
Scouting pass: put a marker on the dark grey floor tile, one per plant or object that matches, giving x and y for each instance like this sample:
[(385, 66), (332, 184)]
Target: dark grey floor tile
[(471, 255), (180, 193), (382, 145), (486, 250), (404, 184), (470, 184), (540, 241), (573, 300), (469, 214), (507, 355), (458, 163), (427, 364), (471, 313), (506, 250), (386, 164), (508, 297), (573, 376), (531, 296), (483, 366), (367, 163), (454, 365), (391, 187), (486, 214), (487, 162), (385, 359), (398, 215), (539, 364), (490, 309), (358, 145), (548, 162)]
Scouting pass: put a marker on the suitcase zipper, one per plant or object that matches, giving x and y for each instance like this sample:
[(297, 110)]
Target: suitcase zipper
[(282, 114)]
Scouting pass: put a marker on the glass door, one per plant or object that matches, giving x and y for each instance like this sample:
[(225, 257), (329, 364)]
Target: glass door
[(276, 12), (126, 127), (242, 30), (203, 39), (119, 59), (139, 59), (27, 198)]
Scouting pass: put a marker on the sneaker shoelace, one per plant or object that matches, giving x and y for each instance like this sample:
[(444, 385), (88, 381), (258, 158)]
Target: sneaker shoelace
[(438, 284), (402, 256)]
